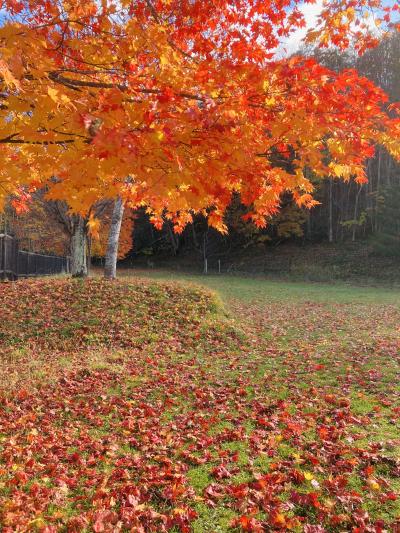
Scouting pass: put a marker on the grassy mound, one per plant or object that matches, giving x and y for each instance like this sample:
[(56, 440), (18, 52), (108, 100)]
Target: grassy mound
[(70, 314), (54, 325)]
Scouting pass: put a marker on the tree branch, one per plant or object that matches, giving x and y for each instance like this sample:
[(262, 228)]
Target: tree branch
[(8, 140), (58, 78)]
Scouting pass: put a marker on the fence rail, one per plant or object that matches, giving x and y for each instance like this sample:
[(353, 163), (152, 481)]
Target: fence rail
[(16, 263)]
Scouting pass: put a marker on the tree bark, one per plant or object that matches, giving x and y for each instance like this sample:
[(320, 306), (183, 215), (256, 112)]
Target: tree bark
[(353, 236), (78, 248), (330, 220), (89, 253), (378, 183), (172, 238), (195, 239), (110, 267)]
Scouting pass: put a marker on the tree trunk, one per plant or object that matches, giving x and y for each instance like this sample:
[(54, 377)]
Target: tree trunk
[(378, 183), (330, 220), (110, 268), (195, 239), (78, 248), (172, 238), (353, 237), (89, 254)]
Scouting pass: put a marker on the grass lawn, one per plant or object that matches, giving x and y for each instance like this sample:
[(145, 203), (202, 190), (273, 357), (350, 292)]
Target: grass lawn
[(161, 405), (264, 289)]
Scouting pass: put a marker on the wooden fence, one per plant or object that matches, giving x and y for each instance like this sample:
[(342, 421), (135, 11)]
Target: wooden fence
[(16, 263)]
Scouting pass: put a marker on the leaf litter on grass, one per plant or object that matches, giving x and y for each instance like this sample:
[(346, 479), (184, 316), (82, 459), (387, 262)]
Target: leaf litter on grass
[(155, 413)]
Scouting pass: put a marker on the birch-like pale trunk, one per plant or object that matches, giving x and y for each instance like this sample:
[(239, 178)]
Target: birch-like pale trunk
[(110, 267), (79, 248)]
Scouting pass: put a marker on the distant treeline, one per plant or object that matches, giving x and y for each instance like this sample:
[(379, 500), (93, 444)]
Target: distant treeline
[(347, 211)]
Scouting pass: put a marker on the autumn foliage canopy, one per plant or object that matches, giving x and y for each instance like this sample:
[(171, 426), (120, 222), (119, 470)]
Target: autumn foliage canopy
[(176, 105)]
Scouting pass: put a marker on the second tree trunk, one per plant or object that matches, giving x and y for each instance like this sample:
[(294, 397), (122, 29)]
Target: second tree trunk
[(79, 248), (110, 268)]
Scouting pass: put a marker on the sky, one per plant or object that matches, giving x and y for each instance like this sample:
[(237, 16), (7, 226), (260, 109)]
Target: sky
[(292, 43), (311, 12)]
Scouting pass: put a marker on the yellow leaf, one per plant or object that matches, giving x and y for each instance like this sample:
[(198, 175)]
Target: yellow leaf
[(94, 226), (8, 76), (373, 485), (53, 93), (65, 99), (37, 522), (343, 171)]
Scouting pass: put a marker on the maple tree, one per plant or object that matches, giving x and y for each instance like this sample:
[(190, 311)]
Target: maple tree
[(177, 105)]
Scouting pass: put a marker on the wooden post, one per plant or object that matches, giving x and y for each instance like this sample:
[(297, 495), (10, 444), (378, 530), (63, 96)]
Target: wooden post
[(219, 266)]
